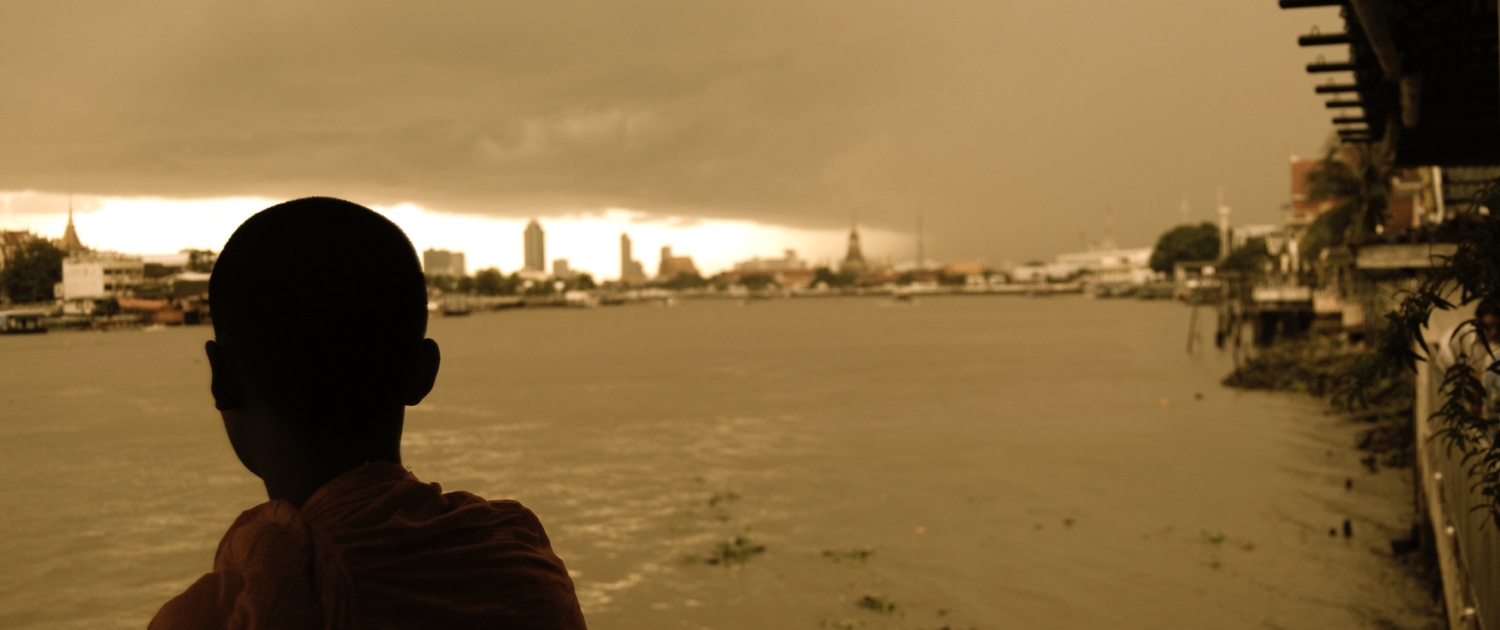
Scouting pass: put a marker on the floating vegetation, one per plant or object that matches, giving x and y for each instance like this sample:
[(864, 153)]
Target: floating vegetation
[(726, 497), (1213, 538), (735, 551), (877, 603), (851, 556), (1213, 562), (841, 624)]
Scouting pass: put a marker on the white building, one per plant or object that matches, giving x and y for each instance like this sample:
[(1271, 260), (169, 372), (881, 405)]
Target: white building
[(788, 261), (1042, 272), (1111, 266), (1241, 235), (100, 277)]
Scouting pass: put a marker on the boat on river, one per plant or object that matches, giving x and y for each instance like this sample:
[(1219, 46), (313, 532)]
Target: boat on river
[(21, 322)]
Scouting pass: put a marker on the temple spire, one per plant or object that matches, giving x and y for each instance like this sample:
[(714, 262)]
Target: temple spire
[(854, 260), (70, 242)]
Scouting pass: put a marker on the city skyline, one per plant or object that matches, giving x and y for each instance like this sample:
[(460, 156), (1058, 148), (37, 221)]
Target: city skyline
[(589, 242), (890, 111)]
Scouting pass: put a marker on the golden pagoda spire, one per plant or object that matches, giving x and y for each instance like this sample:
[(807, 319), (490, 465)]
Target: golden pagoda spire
[(70, 241)]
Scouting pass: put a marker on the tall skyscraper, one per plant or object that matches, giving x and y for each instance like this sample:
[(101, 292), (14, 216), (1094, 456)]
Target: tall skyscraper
[(536, 247), (631, 271)]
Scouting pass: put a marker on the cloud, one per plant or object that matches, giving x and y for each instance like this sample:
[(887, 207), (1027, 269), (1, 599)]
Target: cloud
[(1008, 124)]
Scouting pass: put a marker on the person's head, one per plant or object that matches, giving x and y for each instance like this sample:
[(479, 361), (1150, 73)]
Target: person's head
[(1487, 316), (320, 313)]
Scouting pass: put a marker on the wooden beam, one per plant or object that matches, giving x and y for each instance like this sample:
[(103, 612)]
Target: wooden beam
[(1324, 40), (1324, 66), (1303, 4)]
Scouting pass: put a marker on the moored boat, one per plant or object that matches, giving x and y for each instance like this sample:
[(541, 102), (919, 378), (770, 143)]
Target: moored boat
[(21, 322)]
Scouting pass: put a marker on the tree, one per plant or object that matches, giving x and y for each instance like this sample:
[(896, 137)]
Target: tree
[(582, 282), (1357, 181), (29, 276), (834, 280), (201, 260), (685, 281), (1470, 274), (489, 281), (1249, 259), (1328, 230), (758, 281), (1185, 242), (444, 283)]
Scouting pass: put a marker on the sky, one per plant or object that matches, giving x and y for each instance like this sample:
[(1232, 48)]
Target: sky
[(1013, 130)]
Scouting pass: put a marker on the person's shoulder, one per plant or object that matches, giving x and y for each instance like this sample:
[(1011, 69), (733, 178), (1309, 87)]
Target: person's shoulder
[(502, 513), (270, 530)]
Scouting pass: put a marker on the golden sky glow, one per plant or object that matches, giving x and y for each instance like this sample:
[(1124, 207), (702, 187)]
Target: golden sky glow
[(1010, 126), (590, 241)]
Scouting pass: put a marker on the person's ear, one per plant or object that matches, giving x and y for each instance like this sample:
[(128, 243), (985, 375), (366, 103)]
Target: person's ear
[(225, 384), (428, 360)]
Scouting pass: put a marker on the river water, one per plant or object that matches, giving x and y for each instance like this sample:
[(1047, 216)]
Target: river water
[(1009, 462)]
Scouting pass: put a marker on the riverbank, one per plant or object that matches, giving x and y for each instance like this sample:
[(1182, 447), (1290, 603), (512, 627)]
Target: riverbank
[(1382, 428), (1317, 366)]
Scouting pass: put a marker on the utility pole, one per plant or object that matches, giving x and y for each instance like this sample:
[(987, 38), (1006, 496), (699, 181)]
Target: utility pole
[(1224, 241)]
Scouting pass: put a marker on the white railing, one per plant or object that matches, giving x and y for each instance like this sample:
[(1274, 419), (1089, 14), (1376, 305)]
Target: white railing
[(1467, 547)]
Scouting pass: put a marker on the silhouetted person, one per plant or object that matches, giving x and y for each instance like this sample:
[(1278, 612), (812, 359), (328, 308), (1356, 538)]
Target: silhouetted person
[(320, 314)]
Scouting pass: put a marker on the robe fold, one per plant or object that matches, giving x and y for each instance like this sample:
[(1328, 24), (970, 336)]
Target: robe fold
[(375, 548)]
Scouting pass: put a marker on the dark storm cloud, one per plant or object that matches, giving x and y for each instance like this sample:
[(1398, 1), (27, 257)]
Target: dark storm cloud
[(1009, 125)]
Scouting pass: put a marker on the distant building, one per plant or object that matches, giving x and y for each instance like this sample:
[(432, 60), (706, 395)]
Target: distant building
[(98, 277), (536, 247), (1105, 266), (788, 272), (441, 262), (854, 260), (11, 242), (787, 261), (1038, 271), (966, 268), (1303, 209), (1274, 235), (794, 279), (673, 266), (70, 242), (561, 270), (631, 271)]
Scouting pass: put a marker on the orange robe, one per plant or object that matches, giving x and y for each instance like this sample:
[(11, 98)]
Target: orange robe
[(375, 548)]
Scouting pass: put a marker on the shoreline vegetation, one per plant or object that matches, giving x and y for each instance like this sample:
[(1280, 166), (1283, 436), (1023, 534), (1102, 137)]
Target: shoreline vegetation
[(1320, 367)]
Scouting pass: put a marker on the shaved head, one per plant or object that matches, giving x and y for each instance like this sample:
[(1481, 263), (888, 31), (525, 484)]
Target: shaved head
[(324, 303)]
